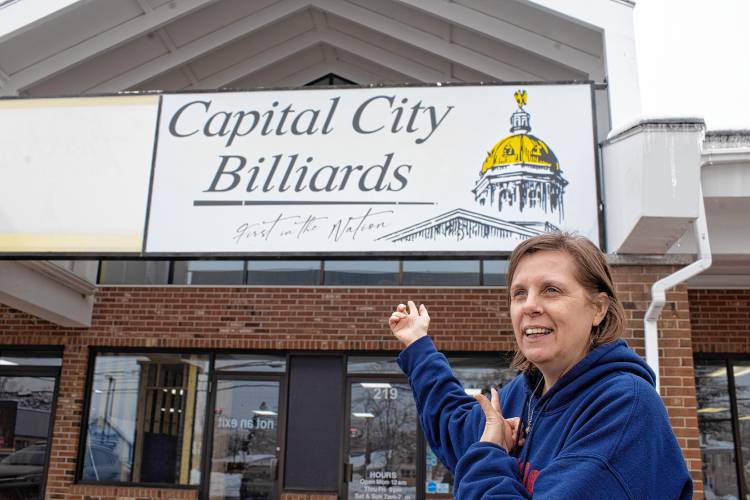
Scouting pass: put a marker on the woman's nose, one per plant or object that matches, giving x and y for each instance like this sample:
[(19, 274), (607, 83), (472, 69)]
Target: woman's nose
[(532, 305)]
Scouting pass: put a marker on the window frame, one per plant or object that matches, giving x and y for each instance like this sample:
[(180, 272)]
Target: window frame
[(215, 377), (729, 360), (351, 378), (38, 371), (94, 351), (247, 269)]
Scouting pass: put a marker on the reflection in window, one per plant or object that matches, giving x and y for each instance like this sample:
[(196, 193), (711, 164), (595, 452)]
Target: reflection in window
[(283, 272), (209, 272), (25, 409), (250, 363), (383, 441), (134, 272), (495, 272), (741, 371), (361, 272), (441, 272), (146, 419), (245, 438), (715, 424), (373, 365)]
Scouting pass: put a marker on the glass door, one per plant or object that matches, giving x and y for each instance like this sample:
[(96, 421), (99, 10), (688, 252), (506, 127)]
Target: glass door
[(382, 444), (244, 459), (26, 409)]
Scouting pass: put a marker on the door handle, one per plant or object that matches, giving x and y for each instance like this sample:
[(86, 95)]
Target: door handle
[(348, 472)]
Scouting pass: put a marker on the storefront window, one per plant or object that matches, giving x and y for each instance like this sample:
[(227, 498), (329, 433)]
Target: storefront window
[(495, 272), (245, 439), (361, 272), (382, 441), (209, 272), (715, 421), (27, 400), (477, 375), (283, 272), (146, 418), (380, 398), (134, 272), (441, 272)]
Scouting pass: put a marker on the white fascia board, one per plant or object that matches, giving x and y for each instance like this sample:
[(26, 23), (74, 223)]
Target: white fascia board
[(615, 19), (510, 34), (22, 16)]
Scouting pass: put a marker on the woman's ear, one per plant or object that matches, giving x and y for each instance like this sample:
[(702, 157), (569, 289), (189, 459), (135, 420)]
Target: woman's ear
[(601, 306)]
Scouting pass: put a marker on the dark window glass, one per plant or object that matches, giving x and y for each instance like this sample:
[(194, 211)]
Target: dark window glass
[(361, 272), (250, 363), (373, 365), (25, 409), (476, 375), (495, 272), (134, 272), (283, 272), (209, 272), (146, 418), (715, 424), (441, 272)]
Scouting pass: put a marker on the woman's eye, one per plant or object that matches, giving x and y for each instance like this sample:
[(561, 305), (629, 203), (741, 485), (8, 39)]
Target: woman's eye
[(552, 289), (519, 293)]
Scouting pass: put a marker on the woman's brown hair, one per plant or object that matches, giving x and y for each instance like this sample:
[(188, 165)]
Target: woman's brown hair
[(592, 272)]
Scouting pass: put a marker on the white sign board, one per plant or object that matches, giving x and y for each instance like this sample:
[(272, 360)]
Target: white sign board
[(75, 174), (406, 169)]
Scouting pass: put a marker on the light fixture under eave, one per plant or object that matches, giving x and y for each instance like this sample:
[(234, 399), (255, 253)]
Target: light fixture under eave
[(376, 385), (712, 410), (741, 371), (746, 417), (5, 362), (265, 413), (362, 414)]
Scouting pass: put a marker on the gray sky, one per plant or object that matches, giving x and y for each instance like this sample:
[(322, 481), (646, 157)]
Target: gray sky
[(694, 60)]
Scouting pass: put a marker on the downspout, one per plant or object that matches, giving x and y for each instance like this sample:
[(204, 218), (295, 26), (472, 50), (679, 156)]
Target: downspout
[(658, 289)]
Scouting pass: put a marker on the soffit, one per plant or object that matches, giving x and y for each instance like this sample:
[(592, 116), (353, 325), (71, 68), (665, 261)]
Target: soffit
[(104, 46)]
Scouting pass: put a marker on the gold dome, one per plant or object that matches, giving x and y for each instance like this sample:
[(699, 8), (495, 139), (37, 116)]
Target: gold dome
[(521, 148)]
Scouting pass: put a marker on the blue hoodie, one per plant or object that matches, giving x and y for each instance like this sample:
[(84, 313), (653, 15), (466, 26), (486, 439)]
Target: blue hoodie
[(600, 432)]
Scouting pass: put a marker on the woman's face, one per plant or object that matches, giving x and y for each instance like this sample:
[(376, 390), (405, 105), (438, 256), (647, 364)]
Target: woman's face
[(552, 313)]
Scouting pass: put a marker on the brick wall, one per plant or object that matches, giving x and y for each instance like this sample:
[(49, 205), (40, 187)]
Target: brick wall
[(720, 320), (319, 319)]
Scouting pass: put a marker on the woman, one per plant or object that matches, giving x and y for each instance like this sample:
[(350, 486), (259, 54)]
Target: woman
[(590, 424)]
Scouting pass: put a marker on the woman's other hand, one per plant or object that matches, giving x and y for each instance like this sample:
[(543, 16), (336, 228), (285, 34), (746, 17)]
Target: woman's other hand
[(409, 325), (497, 429)]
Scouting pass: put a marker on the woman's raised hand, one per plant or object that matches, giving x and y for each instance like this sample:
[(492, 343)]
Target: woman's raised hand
[(409, 325), (497, 429)]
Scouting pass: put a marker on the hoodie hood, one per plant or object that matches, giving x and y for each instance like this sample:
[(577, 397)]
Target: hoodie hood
[(614, 357)]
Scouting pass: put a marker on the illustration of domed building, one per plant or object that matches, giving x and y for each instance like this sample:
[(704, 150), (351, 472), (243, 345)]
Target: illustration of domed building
[(521, 175)]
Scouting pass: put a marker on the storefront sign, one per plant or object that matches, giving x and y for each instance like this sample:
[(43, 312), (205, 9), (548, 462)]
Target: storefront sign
[(75, 173), (435, 169), (408, 169)]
